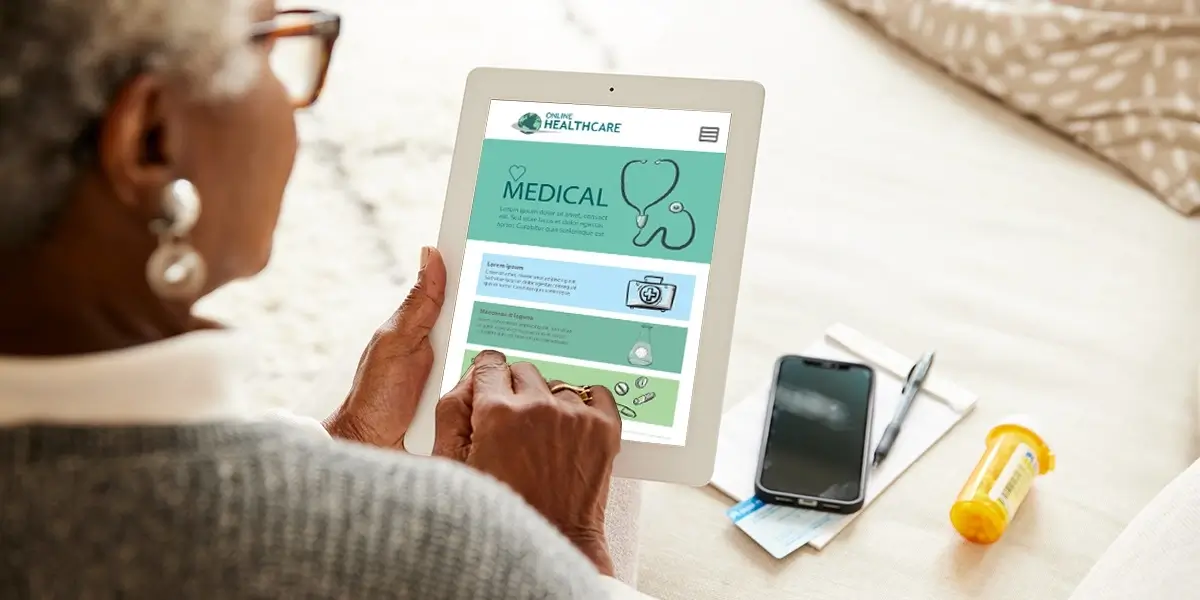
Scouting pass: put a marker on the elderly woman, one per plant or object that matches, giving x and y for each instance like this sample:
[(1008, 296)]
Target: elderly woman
[(144, 150)]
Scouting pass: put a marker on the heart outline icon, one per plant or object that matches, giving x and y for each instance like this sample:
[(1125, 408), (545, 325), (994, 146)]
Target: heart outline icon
[(516, 172)]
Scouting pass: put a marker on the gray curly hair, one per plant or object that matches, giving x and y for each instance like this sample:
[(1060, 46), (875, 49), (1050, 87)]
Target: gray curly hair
[(61, 62)]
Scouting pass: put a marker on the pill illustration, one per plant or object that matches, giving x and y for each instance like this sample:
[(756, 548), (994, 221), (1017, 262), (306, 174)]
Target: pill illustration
[(644, 398), (641, 382), (621, 388)]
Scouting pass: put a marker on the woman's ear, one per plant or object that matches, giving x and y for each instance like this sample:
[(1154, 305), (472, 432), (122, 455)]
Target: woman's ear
[(153, 152), (136, 155)]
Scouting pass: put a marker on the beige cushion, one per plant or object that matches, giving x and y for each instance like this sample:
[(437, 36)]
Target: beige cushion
[(1158, 555), (1117, 76)]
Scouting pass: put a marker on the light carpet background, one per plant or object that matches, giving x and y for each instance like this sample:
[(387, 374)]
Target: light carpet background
[(369, 183)]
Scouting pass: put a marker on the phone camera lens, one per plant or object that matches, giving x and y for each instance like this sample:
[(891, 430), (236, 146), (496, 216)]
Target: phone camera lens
[(610, 89)]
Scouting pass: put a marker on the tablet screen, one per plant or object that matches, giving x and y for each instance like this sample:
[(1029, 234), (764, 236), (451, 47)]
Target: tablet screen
[(588, 251)]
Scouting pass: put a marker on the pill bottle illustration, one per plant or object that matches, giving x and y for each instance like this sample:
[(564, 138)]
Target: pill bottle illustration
[(1016, 455)]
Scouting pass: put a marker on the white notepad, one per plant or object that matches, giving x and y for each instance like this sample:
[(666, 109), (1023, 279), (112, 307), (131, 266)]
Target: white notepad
[(780, 529)]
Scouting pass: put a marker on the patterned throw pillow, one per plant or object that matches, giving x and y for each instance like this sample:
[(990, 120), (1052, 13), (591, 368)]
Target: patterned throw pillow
[(1120, 77)]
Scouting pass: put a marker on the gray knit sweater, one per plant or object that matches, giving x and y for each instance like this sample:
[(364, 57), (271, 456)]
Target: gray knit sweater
[(262, 511)]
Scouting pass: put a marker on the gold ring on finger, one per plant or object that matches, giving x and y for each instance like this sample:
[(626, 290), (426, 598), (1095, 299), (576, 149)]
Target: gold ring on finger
[(584, 393)]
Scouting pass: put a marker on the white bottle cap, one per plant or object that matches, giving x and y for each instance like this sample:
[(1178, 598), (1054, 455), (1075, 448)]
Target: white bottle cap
[(1032, 424), (1022, 420)]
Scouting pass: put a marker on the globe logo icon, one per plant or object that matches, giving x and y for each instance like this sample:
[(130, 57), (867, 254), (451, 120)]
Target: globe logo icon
[(528, 123)]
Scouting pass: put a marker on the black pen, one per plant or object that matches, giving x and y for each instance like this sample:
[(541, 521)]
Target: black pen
[(912, 386)]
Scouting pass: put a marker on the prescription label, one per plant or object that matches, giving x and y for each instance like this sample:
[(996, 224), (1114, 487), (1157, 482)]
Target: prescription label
[(1015, 479)]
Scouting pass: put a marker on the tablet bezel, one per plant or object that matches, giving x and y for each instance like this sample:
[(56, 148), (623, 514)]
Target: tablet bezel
[(691, 463)]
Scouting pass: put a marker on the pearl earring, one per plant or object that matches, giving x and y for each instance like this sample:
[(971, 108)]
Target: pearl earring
[(176, 271)]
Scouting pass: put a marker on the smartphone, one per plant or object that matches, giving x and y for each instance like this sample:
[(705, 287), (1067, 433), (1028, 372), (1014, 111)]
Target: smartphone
[(817, 435)]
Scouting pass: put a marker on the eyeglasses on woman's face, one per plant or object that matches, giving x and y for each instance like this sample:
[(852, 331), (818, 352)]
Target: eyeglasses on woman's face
[(299, 45)]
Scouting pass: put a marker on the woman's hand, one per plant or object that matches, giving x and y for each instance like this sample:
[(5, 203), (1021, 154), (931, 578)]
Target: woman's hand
[(394, 367), (553, 449)]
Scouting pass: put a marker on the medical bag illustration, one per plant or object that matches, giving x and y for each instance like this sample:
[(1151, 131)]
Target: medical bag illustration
[(650, 293)]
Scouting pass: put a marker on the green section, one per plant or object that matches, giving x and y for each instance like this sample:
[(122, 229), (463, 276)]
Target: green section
[(582, 337), (659, 410), (569, 196)]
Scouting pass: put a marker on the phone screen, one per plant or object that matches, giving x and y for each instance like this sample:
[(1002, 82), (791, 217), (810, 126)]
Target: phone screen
[(816, 437)]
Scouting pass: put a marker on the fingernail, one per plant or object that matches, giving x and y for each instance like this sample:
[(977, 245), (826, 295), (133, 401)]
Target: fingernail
[(424, 256)]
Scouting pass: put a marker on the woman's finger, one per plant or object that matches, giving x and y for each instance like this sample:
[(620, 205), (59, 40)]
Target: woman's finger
[(564, 395), (492, 374), (527, 378), (603, 400), (452, 422), (469, 375)]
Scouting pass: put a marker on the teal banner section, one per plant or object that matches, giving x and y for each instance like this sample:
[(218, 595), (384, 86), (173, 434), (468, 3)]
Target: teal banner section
[(583, 337), (627, 201)]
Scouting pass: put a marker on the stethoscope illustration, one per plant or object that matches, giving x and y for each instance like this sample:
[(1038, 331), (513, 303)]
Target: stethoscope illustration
[(674, 207)]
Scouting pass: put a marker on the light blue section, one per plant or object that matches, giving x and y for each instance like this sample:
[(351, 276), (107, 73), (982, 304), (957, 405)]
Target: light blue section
[(576, 285)]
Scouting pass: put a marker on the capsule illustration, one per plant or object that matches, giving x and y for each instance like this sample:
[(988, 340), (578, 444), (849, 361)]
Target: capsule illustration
[(644, 398)]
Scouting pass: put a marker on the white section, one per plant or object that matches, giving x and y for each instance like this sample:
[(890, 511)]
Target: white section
[(698, 270), (633, 432), (591, 312), (473, 253), (575, 362), (660, 128), (740, 440)]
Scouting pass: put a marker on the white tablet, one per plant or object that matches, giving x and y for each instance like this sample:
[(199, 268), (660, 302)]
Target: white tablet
[(594, 226)]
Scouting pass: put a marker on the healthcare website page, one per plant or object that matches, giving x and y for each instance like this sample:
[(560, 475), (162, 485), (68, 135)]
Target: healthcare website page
[(588, 251)]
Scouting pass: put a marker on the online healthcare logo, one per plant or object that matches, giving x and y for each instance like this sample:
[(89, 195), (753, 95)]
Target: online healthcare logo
[(531, 123)]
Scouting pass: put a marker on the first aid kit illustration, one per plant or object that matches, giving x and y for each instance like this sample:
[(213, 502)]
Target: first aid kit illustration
[(650, 293)]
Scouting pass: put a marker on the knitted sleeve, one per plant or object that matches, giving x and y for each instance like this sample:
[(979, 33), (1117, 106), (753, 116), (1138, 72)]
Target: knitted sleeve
[(431, 529)]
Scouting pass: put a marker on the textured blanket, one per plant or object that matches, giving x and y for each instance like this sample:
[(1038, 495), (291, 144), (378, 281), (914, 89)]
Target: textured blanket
[(1119, 77)]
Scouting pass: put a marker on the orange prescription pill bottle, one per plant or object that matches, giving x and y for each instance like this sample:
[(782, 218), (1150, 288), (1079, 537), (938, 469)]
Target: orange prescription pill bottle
[(1016, 455)]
